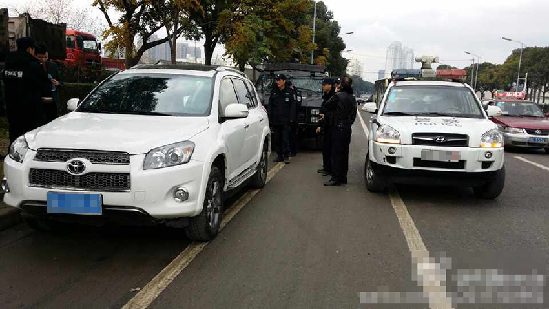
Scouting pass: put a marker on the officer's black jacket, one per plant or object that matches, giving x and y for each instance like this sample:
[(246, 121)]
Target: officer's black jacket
[(26, 82), (282, 107), (323, 110), (343, 105)]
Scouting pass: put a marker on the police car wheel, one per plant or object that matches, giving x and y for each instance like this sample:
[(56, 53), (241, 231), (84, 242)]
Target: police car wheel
[(493, 188), (374, 181)]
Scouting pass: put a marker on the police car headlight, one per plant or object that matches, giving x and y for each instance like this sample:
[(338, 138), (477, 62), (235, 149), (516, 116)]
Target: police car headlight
[(169, 155), (492, 139), (513, 130), (315, 119), (387, 135), (315, 111), (18, 149)]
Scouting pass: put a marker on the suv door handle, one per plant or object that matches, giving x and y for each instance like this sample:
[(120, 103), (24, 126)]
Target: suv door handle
[(246, 126), (261, 119)]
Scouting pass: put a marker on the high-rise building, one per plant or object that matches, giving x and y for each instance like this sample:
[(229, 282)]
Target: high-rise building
[(398, 57), (354, 68)]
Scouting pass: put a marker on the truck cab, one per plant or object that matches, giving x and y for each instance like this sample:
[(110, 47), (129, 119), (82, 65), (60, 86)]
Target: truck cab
[(82, 50)]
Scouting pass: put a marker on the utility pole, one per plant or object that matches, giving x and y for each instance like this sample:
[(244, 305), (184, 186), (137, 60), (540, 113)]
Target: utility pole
[(314, 32), (520, 59)]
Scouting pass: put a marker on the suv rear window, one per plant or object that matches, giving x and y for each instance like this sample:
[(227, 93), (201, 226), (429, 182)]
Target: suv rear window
[(432, 101), (161, 94)]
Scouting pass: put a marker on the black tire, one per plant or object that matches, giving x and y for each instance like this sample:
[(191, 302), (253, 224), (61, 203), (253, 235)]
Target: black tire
[(493, 188), (259, 179), (374, 181), (205, 226), (546, 150)]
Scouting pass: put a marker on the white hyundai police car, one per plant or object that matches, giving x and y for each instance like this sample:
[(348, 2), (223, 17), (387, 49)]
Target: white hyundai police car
[(434, 131)]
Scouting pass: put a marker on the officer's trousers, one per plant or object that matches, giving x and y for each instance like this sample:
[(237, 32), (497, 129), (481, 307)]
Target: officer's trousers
[(341, 139), (327, 149), (281, 139)]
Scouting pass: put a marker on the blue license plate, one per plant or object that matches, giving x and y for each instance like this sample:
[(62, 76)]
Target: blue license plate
[(74, 203), (538, 140)]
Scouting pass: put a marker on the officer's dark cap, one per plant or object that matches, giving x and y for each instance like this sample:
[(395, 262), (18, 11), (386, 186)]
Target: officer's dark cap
[(280, 76), (327, 81), (24, 43)]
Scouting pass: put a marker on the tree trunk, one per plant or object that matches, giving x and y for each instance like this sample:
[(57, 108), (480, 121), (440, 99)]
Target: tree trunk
[(209, 46), (173, 45), (539, 94), (242, 66)]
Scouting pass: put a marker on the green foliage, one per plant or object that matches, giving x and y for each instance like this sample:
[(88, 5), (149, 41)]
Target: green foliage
[(361, 86)]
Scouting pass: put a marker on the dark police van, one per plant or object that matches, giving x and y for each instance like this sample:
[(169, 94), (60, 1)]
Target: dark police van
[(307, 79)]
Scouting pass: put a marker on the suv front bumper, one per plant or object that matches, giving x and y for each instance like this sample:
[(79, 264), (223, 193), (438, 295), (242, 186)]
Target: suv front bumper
[(151, 191), (403, 163)]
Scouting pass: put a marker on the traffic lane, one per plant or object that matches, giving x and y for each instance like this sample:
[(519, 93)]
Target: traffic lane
[(509, 234), (535, 155), (83, 266), (299, 244)]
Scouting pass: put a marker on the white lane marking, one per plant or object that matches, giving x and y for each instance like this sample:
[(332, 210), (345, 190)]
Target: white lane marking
[(364, 126), (543, 167), (430, 275), (160, 282)]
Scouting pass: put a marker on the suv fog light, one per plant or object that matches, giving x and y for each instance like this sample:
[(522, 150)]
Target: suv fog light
[(488, 155), (4, 186), (392, 150), (180, 195)]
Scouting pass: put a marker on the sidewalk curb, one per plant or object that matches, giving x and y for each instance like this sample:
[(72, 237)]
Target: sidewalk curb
[(9, 217)]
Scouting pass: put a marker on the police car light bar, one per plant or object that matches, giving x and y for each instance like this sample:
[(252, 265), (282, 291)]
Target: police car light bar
[(452, 74), (405, 73)]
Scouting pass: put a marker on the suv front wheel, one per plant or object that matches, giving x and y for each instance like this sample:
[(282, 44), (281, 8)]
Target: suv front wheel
[(492, 188), (374, 181), (260, 177), (205, 226)]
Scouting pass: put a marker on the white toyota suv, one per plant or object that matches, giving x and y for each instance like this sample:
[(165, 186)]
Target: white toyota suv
[(434, 132), (157, 142)]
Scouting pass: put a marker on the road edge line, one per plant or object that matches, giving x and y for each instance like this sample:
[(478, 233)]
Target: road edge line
[(146, 296)]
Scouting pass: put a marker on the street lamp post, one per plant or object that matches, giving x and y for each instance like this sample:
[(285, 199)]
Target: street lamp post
[(476, 75), (314, 32), (520, 59)]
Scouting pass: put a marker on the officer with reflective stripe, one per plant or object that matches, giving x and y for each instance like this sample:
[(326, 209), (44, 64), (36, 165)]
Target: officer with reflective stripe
[(26, 83), (282, 113)]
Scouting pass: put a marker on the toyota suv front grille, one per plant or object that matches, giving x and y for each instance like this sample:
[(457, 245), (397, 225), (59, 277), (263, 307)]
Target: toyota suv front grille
[(113, 182), (95, 157)]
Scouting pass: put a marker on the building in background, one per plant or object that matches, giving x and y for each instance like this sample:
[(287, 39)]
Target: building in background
[(355, 67), (185, 52), (398, 57)]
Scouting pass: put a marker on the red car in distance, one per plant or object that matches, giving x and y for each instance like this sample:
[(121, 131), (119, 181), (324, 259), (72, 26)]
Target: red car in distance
[(523, 124)]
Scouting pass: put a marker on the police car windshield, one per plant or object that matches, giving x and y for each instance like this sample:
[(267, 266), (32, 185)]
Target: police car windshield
[(441, 101), (151, 94), (520, 109)]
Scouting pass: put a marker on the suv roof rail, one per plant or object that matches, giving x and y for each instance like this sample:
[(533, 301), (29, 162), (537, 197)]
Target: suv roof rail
[(187, 66), (229, 69)]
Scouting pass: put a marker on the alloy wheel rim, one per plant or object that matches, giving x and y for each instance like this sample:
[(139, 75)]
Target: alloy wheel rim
[(213, 208)]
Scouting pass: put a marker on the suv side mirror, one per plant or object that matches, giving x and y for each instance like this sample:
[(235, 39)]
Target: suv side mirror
[(72, 104), (370, 107), (235, 111)]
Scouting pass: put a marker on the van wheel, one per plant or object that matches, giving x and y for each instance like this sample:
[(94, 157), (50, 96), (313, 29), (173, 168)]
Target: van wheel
[(374, 181), (493, 188), (205, 226), (259, 179)]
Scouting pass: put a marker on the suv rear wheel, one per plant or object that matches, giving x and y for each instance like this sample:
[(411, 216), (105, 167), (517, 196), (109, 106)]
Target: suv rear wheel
[(205, 226), (492, 188)]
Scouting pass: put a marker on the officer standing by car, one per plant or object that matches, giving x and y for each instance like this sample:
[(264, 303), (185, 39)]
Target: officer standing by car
[(282, 113), (343, 107), (293, 128), (54, 76), (324, 128), (26, 83)]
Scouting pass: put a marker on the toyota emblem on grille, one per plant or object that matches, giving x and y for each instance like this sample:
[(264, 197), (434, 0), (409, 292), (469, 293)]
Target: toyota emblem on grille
[(538, 132), (76, 167), (440, 139)]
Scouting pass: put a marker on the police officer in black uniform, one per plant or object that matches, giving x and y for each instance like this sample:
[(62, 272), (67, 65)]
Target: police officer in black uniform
[(26, 84), (324, 128), (282, 113), (343, 106), (293, 127)]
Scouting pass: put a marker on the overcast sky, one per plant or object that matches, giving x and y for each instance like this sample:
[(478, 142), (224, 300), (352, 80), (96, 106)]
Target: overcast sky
[(441, 28)]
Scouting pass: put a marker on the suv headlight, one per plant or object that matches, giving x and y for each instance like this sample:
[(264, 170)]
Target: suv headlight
[(491, 139), (169, 155), (18, 149), (387, 135), (513, 130)]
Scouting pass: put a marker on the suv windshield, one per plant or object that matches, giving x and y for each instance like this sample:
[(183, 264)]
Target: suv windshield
[(151, 94), (432, 101), (520, 109), (308, 83)]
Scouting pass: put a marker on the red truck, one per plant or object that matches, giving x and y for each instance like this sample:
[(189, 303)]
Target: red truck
[(82, 49)]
